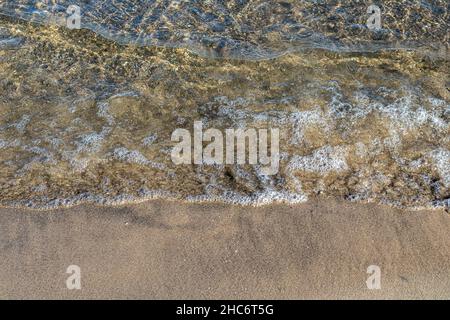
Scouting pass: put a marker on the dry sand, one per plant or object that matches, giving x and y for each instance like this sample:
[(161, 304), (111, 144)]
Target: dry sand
[(163, 249)]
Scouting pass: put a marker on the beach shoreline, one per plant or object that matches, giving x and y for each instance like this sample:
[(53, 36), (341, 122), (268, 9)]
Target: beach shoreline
[(175, 250)]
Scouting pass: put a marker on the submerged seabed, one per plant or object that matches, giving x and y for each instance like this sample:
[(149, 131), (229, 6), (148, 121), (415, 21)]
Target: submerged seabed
[(87, 116), (250, 29)]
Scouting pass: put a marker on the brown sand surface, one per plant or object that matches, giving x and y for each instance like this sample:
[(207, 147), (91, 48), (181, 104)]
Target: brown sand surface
[(163, 249)]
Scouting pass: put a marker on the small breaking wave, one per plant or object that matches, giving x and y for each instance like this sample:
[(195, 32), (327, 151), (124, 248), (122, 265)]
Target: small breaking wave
[(252, 29)]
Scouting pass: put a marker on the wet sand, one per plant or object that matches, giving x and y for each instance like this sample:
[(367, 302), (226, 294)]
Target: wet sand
[(163, 249)]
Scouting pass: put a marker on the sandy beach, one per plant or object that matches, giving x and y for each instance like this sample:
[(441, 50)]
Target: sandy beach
[(162, 249)]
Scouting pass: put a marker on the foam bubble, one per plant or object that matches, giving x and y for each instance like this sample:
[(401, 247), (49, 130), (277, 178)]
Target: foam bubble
[(103, 112), (3, 144), (91, 142), (22, 124), (441, 160), (149, 140), (323, 160), (256, 199)]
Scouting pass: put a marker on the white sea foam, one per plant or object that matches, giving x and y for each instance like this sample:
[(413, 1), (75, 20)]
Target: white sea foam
[(150, 139), (405, 115), (91, 142), (323, 160), (134, 156), (304, 119), (11, 43), (133, 94), (22, 123), (9, 144), (103, 112)]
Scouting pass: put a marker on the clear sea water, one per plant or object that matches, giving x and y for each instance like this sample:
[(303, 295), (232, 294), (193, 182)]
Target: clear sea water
[(87, 115)]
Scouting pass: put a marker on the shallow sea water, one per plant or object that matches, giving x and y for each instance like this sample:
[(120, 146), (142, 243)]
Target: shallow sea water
[(87, 115)]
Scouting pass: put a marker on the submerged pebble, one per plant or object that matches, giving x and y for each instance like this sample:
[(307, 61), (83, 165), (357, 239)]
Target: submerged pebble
[(87, 119)]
